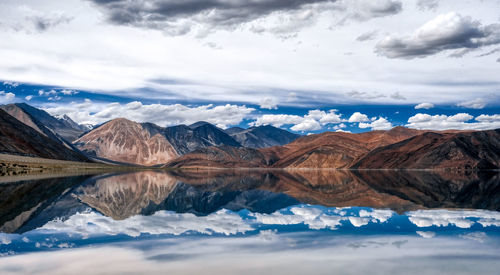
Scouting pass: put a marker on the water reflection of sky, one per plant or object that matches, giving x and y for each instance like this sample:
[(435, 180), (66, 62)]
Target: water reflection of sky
[(296, 240), (70, 236)]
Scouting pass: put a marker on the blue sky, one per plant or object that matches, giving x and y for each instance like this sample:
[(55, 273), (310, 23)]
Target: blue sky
[(307, 66)]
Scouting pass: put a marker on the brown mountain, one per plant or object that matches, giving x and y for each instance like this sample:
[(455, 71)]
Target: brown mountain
[(398, 148), (326, 150), (126, 195), (334, 149), (125, 141), (18, 138), (466, 150)]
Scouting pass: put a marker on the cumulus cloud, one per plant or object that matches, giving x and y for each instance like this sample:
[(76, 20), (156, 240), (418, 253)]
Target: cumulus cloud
[(377, 124), (450, 31), (88, 112), (269, 103), (424, 105), (312, 121), (307, 125), (162, 222), (315, 218), (458, 218), (477, 103), (11, 84), (6, 97), (358, 117), (461, 121)]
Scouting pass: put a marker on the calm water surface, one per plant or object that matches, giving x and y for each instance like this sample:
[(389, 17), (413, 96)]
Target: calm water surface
[(252, 222)]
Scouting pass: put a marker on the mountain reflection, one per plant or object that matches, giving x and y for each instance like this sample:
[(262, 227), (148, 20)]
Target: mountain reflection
[(28, 205)]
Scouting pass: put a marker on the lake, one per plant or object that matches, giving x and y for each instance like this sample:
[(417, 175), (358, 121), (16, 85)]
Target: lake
[(252, 222)]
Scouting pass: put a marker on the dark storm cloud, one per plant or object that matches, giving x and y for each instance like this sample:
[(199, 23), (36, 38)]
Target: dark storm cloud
[(221, 13), (446, 32), (178, 17)]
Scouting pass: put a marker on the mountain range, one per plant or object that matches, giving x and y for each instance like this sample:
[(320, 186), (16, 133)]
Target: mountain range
[(29, 131)]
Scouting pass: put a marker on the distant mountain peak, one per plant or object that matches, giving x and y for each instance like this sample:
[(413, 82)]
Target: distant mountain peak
[(199, 124)]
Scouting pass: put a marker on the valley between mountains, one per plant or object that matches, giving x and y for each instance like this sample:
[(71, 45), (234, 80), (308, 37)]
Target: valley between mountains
[(28, 131)]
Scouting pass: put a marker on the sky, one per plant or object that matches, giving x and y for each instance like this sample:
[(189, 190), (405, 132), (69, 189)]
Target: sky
[(306, 66)]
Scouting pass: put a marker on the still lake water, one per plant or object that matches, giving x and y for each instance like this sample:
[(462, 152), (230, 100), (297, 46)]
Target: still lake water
[(252, 222)]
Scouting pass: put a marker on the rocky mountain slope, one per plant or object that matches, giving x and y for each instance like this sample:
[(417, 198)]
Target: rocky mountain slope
[(465, 150), (222, 156), (262, 136), (326, 150), (125, 141), (398, 148), (18, 138), (45, 123), (186, 139), (148, 144)]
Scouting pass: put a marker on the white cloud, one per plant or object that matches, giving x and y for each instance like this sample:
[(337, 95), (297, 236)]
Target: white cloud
[(79, 55), (426, 234), (277, 120), (377, 124), (312, 217), (315, 218), (312, 121), (307, 125), (358, 117), (162, 222), (6, 97), (269, 103), (477, 103), (450, 31), (69, 92), (488, 118), (460, 121), (458, 218), (424, 105), (5, 239), (29, 97), (88, 112)]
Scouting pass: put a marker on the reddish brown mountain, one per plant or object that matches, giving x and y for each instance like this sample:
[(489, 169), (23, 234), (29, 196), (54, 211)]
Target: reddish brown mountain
[(334, 149), (126, 141), (399, 148), (326, 150), (465, 150)]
